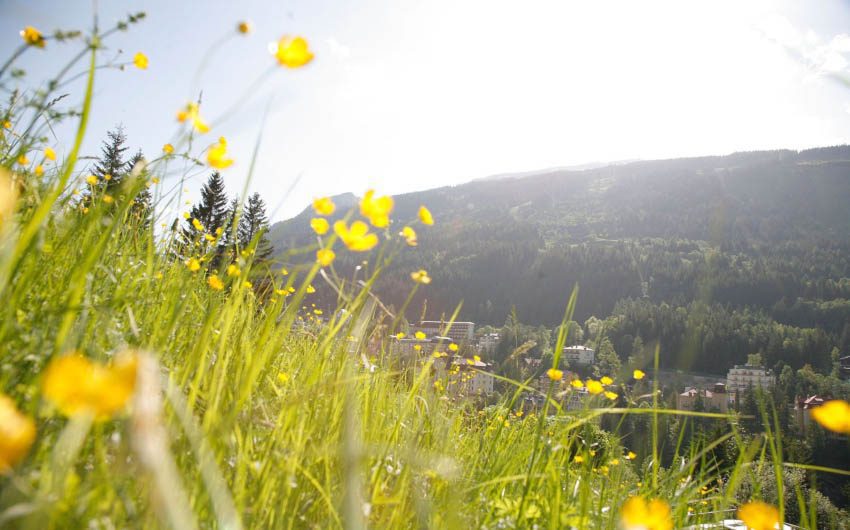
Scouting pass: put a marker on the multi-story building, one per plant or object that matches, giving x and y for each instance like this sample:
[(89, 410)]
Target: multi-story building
[(844, 367), (718, 399), (487, 342), (470, 377), (803, 408), (460, 332), (742, 377), (579, 355)]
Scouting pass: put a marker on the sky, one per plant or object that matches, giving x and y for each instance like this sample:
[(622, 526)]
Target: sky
[(405, 95)]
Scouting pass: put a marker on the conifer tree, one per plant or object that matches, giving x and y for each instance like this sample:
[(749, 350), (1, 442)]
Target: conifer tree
[(210, 212), (111, 166), (254, 223)]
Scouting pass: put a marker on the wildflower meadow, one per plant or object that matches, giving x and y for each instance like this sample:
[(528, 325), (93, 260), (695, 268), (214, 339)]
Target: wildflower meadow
[(152, 379)]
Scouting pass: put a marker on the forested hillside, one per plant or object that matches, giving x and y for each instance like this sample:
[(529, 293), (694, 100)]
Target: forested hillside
[(735, 254)]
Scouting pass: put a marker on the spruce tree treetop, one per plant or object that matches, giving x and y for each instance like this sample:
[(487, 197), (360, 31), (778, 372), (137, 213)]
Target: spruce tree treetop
[(211, 212), (111, 166), (254, 221)]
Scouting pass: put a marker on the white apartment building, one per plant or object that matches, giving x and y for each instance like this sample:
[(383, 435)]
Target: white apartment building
[(460, 332), (742, 377), (579, 355), (487, 343)]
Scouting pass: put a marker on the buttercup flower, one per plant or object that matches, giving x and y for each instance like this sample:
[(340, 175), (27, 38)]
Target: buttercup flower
[(639, 514), (833, 415), (319, 225), (419, 335), (17, 433), (409, 236), (233, 270), (554, 374), (91, 179), (325, 256), (594, 387), (292, 52), (631, 456), (324, 206), (638, 374), (425, 216), (576, 383), (75, 385), (420, 276), (215, 282), (168, 149), (140, 61), (611, 395), (399, 335), (197, 224), (244, 27), (357, 238), (33, 37), (49, 153), (193, 264), (38, 170), (605, 380), (758, 515), (192, 114), (453, 347), (217, 155), (376, 209), (23, 160)]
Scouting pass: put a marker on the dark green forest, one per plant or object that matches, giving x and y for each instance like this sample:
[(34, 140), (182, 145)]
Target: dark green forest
[(714, 257)]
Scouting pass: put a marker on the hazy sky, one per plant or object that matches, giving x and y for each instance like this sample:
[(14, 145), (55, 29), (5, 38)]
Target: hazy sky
[(406, 95)]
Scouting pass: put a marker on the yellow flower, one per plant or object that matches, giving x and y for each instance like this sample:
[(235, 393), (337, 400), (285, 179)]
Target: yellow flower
[(311, 289), (284, 271), (409, 236), (108, 199), (107, 177), (140, 61), (594, 387), (631, 456), (576, 383), (193, 264), (399, 335), (419, 335), (244, 27), (168, 149), (38, 170), (7, 124), (49, 153), (833, 415), (217, 155), (376, 209), (638, 374), (578, 459), (75, 385), (417, 347), (320, 225), (233, 270), (652, 515), (192, 113), (611, 395), (292, 52), (283, 377), (197, 224), (215, 282), (32, 36), (420, 276), (317, 311), (325, 256), (23, 160), (605, 380), (247, 285), (425, 216), (8, 196), (554, 374), (358, 237), (91, 179), (17, 433), (324, 206), (453, 347), (758, 515)]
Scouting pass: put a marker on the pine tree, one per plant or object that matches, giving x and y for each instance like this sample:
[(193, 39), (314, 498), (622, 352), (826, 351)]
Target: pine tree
[(111, 166), (255, 223), (211, 213)]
